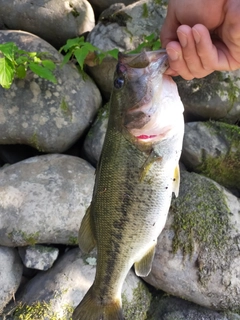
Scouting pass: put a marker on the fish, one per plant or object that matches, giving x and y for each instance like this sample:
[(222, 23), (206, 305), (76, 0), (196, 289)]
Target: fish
[(135, 178)]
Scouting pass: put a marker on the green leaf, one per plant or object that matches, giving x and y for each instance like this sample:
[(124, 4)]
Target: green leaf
[(80, 55), (157, 45), (6, 73), (32, 54), (150, 38), (90, 47), (66, 58), (49, 64), (37, 60), (42, 72), (71, 43), (21, 60), (8, 49), (21, 71), (113, 53), (100, 57)]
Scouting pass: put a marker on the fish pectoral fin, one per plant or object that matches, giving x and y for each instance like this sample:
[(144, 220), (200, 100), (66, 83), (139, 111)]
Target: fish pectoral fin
[(176, 181), (86, 239), (144, 266), (153, 156)]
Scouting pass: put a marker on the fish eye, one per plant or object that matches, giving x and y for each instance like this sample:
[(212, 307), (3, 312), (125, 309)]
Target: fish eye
[(119, 82)]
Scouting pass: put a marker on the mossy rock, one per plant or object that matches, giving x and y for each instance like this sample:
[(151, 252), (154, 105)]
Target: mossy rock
[(216, 146), (197, 255)]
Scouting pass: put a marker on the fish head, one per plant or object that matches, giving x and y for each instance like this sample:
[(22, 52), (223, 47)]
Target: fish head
[(140, 87)]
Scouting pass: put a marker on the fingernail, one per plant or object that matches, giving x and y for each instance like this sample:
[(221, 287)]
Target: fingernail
[(172, 54), (196, 35), (182, 38)]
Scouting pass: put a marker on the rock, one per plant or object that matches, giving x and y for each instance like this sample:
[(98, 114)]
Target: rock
[(213, 149), (172, 308), (197, 255), (11, 273), (214, 97), (59, 290), (55, 22), (43, 199), (100, 5), (125, 30), (38, 257), (94, 140), (37, 112)]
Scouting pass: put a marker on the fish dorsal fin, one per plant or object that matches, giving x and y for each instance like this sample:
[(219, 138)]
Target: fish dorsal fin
[(144, 266), (86, 238), (176, 181)]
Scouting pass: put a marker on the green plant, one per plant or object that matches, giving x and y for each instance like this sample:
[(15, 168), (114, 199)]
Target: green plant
[(151, 42), (15, 62), (82, 50)]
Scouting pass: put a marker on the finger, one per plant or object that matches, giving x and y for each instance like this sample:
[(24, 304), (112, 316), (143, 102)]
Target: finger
[(176, 60), (206, 51), (189, 51)]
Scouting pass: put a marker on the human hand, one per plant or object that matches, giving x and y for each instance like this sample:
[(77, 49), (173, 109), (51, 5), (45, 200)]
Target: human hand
[(201, 36)]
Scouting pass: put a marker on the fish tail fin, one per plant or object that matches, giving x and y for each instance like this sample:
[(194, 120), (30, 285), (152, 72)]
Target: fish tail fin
[(90, 308)]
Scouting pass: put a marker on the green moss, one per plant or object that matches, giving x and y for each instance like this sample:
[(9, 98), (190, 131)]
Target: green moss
[(74, 11), (103, 113), (40, 311), (137, 309), (223, 168), (34, 142), (145, 13), (19, 237), (232, 88), (200, 216), (73, 241)]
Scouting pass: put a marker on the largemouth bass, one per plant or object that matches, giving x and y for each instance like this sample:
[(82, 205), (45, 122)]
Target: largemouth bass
[(136, 176)]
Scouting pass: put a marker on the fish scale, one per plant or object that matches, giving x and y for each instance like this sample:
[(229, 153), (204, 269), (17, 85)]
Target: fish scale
[(134, 182)]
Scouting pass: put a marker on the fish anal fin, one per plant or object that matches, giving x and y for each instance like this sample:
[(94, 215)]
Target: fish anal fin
[(92, 308), (144, 266), (176, 180), (86, 238)]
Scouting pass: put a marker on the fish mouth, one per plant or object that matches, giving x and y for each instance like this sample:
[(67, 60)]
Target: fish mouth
[(162, 134), (144, 59)]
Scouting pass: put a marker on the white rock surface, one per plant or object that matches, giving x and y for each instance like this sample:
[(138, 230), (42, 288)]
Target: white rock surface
[(53, 21), (43, 199), (10, 274), (60, 289), (49, 117)]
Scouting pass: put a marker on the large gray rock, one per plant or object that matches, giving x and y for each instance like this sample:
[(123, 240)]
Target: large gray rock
[(172, 308), (10, 274), (197, 255), (59, 290), (214, 97), (37, 112), (43, 199), (125, 29), (213, 149), (53, 21)]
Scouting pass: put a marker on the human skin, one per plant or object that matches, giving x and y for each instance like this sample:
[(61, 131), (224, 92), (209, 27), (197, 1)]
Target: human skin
[(202, 36)]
